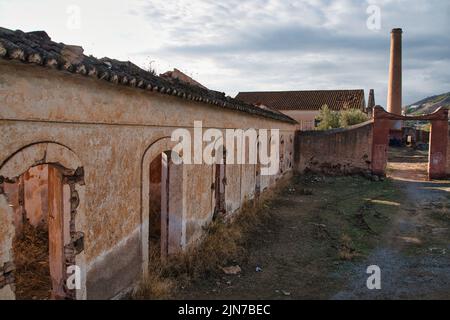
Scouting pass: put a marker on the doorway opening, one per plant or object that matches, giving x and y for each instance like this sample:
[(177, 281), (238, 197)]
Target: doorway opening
[(165, 206), (36, 197), (408, 153), (219, 184)]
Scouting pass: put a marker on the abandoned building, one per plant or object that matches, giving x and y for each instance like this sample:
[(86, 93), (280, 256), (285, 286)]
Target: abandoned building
[(304, 106), (83, 143), (86, 177)]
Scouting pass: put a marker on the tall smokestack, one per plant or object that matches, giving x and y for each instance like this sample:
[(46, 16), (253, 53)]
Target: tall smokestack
[(394, 99), (371, 102)]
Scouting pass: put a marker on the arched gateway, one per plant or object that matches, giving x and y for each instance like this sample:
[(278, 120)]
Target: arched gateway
[(437, 157)]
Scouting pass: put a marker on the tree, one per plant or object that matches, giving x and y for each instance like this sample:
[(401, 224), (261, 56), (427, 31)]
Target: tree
[(328, 119), (351, 117)]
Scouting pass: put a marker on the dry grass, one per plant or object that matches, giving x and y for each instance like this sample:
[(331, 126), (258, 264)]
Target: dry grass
[(156, 286), (32, 275), (223, 243)]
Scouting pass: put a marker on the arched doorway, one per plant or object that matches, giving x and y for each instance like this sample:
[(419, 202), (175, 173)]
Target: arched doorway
[(165, 204), (39, 207), (163, 226), (438, 141)]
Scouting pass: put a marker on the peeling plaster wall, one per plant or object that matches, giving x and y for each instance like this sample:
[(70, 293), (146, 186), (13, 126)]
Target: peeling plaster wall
[(338, 151), (233, 188), (109, 128), (248, 182), (199, 207)]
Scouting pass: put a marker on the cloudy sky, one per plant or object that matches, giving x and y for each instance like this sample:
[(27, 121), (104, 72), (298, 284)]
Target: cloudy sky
[(249, 45)]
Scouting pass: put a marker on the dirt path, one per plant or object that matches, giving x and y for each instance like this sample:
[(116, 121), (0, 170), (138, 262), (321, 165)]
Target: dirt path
[(327, 231), (414, 256), (283, 251)]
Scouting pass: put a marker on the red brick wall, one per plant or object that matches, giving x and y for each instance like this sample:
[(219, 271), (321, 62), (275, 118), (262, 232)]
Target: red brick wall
[(338, 151)]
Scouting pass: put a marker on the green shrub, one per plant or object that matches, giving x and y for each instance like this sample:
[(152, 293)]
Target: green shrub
[(329, 119), (351, 117)]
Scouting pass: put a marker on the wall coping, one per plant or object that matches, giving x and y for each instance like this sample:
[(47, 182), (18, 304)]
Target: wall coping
[(337, 130)]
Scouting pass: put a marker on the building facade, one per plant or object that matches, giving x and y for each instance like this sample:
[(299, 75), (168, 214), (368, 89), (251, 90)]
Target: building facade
[(94, 135)]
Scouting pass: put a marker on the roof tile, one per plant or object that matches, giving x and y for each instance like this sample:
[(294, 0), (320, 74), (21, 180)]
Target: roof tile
[(306, 100), (36, 47)]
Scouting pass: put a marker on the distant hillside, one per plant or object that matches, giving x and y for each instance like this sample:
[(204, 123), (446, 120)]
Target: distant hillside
[(430, 104)]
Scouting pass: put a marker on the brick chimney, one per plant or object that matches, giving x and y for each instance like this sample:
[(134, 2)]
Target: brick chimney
[(371, 102), (394, 99)]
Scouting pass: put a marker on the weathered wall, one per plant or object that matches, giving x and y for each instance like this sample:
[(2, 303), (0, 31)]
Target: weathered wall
[(198, 199), (110, 128), (335, 151)]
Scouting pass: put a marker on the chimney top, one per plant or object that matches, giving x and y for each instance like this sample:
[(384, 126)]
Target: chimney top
[(397, 30)]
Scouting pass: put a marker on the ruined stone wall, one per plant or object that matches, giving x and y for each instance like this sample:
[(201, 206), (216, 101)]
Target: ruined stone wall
[(110, 128), (338, 151)]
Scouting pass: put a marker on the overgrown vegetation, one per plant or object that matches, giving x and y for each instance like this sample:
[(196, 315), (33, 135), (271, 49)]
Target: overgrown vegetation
[(223, 244), (329, 119), (351, 117)]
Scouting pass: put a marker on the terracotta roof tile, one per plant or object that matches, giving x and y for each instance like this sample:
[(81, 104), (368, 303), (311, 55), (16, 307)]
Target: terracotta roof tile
[(306, 100), (181, 76), (37, 48)]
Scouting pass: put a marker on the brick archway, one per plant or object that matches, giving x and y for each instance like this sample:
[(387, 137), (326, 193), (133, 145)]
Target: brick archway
[(437, 157)]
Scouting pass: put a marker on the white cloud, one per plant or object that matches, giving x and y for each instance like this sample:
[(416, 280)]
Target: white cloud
[(238, 45)]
